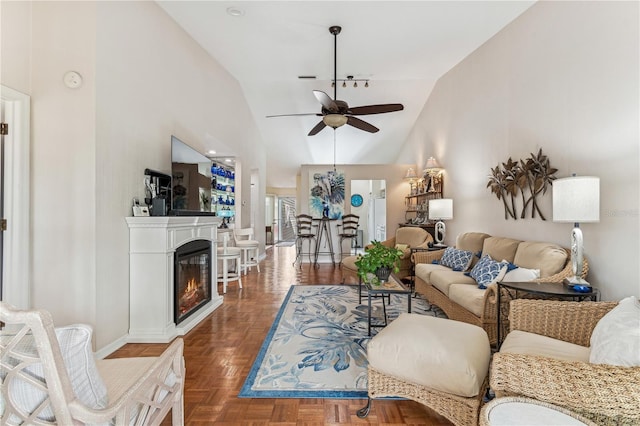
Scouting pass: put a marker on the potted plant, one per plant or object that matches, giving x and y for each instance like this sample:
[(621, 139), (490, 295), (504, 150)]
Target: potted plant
[(377, 263)]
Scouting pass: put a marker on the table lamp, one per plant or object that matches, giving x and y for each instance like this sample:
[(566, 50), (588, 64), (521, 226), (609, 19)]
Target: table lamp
[(576, 199), (440, 209)]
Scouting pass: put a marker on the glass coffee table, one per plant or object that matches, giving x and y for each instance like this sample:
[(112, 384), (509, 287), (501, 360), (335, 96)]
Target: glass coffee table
[(392, 286)]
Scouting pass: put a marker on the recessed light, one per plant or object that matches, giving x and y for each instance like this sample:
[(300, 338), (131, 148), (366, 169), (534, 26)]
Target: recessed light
[(211, 151), (228, 160), (234, 11)]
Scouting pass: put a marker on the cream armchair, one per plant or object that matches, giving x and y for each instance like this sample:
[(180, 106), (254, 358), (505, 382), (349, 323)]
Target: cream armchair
[(412, 238), (408, 236), (544, 367), (49, 376)]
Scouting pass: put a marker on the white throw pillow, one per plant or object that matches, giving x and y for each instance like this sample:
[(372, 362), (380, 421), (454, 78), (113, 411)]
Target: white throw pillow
[(616, 337), (75, 346), (521, 274)]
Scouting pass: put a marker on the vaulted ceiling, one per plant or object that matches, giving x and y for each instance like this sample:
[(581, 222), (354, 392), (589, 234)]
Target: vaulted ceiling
[(402, 48)]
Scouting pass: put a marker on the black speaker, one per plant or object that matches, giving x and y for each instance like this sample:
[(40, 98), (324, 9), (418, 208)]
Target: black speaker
[(159, 207)]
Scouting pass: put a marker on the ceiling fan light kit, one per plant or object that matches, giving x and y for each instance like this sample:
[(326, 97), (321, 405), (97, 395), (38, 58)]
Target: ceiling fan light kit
[(334, 120), (336, 113)]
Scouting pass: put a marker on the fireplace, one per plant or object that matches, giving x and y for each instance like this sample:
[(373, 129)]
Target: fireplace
[(192, 278)]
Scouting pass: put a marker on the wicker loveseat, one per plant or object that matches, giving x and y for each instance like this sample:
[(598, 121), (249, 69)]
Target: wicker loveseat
[(458, 295), (547, 356)]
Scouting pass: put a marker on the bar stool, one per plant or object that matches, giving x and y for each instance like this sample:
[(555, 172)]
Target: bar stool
[(304, 231), (245, 241), (227, 254), (348, 230)]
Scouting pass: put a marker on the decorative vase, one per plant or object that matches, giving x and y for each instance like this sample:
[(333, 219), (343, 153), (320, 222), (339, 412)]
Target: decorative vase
[(383, 273)]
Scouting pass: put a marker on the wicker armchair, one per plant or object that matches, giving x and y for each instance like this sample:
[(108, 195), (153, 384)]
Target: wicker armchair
[(608, 395), (489, 315), (44, 382)]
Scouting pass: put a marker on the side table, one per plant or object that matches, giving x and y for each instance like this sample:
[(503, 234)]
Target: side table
[(550, 290), (393, 286)]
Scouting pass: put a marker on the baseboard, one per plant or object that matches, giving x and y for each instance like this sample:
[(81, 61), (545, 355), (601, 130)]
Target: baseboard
[(111, 348)]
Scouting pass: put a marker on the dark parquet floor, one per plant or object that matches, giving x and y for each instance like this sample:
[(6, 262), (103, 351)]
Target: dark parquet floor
[(220, 351)]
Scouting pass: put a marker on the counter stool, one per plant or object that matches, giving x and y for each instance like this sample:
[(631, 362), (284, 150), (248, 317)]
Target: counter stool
[(437, 362), (227, 254), (245, 241)]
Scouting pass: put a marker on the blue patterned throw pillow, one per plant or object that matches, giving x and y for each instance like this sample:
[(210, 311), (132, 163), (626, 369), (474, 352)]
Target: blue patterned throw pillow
[(458, 260), (488, 271)]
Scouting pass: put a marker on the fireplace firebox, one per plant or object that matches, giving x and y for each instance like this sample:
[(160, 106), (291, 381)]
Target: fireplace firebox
[(192, 278)]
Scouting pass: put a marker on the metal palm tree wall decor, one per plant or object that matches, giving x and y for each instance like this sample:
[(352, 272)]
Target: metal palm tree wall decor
[(530, 178)]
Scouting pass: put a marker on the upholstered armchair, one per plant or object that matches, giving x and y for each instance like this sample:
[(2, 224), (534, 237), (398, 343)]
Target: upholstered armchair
[(408, 238), (547, 356), (49, 376)]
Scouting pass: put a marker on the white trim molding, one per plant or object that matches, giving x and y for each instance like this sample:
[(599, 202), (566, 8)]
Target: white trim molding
[(17, 239)]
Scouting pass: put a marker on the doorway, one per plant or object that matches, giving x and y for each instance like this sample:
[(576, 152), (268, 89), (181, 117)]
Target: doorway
[(15, 183), (286, 219), (373, 210)]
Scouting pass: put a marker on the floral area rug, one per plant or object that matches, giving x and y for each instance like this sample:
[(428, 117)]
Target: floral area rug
[(317, 345)]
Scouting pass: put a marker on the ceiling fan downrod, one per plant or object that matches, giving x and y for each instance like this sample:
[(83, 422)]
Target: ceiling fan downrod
[(335, 30)]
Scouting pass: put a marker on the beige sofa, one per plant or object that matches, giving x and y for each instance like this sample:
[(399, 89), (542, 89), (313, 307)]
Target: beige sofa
[(458, 295)]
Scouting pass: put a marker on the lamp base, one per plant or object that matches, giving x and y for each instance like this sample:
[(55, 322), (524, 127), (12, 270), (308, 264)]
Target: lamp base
[(576, 281)]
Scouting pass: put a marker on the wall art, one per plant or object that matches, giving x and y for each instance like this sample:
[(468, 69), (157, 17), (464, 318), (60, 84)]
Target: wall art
[(327, 194), (519, 183)]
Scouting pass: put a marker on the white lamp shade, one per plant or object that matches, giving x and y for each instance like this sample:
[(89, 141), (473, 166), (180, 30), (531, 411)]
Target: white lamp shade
[(411, 174), (441, 209), (576, 199), (432, 164)]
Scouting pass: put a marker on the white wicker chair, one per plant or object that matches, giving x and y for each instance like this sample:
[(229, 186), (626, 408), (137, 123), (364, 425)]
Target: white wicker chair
[(38, 385)]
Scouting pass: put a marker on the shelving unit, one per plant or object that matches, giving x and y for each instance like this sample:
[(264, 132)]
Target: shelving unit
[(417, 203), (223, 195)]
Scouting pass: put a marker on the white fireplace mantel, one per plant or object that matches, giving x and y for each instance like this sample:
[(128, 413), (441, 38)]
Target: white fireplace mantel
[(152, 244)]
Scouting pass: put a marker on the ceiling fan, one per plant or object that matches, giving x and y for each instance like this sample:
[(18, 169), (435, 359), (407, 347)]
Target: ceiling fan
[(336, 113)]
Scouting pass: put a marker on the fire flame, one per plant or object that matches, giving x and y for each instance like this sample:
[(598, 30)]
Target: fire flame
[(191, 286)]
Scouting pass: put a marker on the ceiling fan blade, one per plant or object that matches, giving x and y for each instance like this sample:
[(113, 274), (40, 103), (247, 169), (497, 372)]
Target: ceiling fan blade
[(325, 100), (294, 115), (375, 109), (317, 128), (362, 125)]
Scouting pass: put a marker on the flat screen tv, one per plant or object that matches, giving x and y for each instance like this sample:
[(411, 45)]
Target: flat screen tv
[(190, 180)]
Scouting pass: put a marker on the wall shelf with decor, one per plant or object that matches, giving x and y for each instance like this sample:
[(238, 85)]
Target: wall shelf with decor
[(428, 187), (223, 190)]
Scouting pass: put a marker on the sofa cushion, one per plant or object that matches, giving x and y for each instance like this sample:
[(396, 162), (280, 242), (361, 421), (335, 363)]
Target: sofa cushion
[(442, 280), (441, 354), (548, 257), (501, 248), (522, 342), (458, 260), (473, 242), (616, 337), (423, 270), (75, 347), (488, 271), (468, 296)]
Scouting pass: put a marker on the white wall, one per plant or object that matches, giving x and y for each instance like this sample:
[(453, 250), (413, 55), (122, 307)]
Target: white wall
[(562, 77), (144, 79)]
